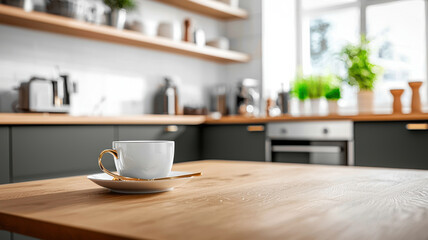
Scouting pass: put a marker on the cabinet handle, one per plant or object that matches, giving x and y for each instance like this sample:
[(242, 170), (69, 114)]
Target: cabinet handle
[(171, 128), (256, 128), (307, 149), (417, 126)]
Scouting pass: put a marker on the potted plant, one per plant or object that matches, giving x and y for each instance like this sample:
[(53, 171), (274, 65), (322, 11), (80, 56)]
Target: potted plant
[(332, 93), (361, 72), (117, 16), (301, 92), (316, 87)]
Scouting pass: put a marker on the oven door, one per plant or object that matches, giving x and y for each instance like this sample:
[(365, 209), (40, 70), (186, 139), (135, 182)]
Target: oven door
[(313, 152)]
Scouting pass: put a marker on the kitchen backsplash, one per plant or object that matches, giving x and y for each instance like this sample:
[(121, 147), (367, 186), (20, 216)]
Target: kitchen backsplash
[(114, 79)]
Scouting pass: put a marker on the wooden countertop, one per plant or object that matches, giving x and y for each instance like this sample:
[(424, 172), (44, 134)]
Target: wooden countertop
[(284, 118), (64, 119), (232, 200)]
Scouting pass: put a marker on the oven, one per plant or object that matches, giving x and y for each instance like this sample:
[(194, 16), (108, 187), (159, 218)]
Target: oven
[(312, 142)]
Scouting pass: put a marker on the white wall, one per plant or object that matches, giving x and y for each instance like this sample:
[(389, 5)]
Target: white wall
[(126, 76), (246, 36)]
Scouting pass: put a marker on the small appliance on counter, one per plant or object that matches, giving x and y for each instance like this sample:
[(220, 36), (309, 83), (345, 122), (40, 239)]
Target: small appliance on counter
[(219, 100), (248, 97), (44, 95), (282, 101), (166, 99)]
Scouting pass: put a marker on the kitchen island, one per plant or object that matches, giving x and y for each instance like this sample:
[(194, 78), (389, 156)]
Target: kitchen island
[(232, 200)]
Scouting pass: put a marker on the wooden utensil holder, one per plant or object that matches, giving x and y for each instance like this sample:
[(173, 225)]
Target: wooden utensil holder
[(416, 96), (397, 107)]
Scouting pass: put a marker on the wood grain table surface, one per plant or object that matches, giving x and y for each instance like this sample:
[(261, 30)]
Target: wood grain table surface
[(232, 200)]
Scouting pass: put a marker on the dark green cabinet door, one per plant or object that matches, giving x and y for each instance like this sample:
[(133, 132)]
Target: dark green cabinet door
[(4, 155), (233, 142), (40, 152), (187, 138), (390, 144)]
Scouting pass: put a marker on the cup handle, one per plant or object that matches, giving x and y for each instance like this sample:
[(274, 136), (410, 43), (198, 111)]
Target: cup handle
[(115, 155)]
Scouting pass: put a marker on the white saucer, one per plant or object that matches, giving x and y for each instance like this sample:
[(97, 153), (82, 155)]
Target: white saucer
[(135, 187)]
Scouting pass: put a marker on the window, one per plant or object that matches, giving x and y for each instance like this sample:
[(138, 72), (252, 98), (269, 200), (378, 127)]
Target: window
[(396, 29)]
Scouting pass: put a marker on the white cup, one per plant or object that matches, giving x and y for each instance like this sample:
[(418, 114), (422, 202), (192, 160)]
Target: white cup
[(141, 159)]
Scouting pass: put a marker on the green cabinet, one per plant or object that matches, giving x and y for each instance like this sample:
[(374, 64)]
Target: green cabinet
[(390, 144), (40, 152), (187, 138), (234, 142)]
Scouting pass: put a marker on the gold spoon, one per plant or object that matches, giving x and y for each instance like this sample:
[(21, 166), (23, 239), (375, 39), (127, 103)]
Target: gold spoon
[(122, 178)]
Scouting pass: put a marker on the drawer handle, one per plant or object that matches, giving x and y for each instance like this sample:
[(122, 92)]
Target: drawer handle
[(307, 149), (171, 128), (256, 128), (417, 126)]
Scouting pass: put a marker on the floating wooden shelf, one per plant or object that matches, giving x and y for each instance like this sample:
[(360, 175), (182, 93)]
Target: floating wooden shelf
[(62, 25), (209, 7)]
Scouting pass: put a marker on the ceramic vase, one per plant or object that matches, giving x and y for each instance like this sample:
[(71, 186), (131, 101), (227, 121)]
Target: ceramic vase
[(117, 18), (301, 105), (365, 102), (315, 106)]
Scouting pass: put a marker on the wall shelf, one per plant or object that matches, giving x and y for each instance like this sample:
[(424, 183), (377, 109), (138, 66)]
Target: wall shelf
[(62, 25), (210, 8)]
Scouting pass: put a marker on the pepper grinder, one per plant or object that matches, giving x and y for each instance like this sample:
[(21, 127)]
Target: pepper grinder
[(188, 30), (397, 107), (416, 97)]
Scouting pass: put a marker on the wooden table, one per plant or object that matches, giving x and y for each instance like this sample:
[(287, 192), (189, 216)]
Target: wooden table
[(232, 200)]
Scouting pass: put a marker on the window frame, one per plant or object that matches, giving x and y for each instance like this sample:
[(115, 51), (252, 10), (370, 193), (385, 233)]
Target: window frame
[(362, 5)]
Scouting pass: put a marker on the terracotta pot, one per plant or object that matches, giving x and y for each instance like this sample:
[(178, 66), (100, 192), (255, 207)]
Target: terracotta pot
[(333, 107), (365, 102), (315, 106)]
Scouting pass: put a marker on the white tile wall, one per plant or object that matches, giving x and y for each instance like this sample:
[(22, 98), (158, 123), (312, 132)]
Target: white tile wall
[(246, 36), (126, 76)]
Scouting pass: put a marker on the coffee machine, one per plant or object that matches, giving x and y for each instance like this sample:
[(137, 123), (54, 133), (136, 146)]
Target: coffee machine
[(248, 97)]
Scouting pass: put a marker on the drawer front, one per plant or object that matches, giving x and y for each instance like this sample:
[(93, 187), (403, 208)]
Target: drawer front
[(55, 151), (4, 155), (187, 138), (391, 144), (234, 142), (311, 130)]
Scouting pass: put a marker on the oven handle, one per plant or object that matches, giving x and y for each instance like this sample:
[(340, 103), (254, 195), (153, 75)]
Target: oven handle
[(307, 149)]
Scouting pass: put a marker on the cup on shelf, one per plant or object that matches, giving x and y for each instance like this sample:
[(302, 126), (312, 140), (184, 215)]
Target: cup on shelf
[(220, 42), (148, 28), (171, 30), (232, 3)]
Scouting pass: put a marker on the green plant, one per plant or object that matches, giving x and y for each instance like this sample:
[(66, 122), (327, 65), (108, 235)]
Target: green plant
[(333, 94), (361, 72), (119, 4), (300, 88), (333, 91), (316, 86)]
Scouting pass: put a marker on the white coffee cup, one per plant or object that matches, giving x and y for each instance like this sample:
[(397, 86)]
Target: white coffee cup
[(141, 159)]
